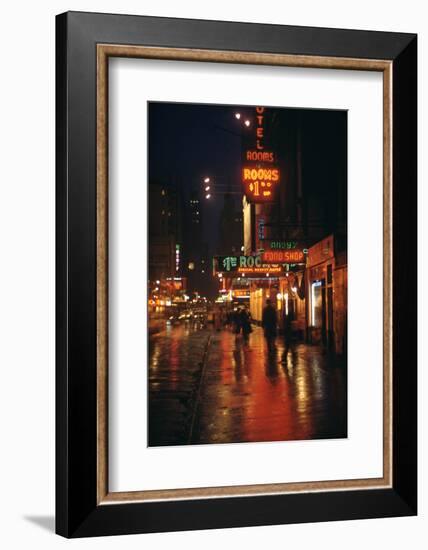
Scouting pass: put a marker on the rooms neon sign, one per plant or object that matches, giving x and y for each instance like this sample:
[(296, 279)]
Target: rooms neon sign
[(260, 181)]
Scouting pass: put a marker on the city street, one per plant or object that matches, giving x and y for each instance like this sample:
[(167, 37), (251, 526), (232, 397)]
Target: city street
[(253, 236), (208, 386)]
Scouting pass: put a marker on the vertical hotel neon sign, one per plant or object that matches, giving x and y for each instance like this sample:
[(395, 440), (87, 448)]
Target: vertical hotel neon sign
[(260, 176)]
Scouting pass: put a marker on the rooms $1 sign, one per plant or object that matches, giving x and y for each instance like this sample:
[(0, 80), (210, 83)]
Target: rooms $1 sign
[(260, 175)]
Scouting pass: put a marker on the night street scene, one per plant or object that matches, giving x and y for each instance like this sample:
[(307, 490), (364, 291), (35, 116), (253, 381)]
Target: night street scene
[(247, 289)]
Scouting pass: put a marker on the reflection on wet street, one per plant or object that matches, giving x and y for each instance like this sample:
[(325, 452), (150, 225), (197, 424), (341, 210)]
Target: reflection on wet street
[(175, 366), (210, 387)]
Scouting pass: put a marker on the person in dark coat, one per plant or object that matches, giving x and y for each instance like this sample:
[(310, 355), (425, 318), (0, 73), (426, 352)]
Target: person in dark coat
[(236, 322), (288, 333), (269, 324), (245, 323)]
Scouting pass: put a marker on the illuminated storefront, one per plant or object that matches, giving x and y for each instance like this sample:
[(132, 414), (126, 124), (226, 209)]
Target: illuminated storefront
[(292, 300), (249, 280), (327, 295)]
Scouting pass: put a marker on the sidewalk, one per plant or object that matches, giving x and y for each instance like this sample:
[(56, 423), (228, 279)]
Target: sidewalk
[(249, 395), (175, 362)]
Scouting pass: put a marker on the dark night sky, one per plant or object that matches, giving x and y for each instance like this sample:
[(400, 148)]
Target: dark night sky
[(190, 141)]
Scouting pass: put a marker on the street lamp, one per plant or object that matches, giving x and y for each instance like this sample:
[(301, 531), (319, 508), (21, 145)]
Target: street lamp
[(207, 187), (247, 121)]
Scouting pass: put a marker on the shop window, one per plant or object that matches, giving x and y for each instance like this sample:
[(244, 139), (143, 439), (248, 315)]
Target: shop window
[(316, 304)]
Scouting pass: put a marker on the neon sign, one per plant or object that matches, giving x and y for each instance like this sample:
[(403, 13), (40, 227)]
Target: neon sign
[(260, 156), (259, 181), (275, 245), (263, 174), (264, 269), (294, 256), (234, 263), (245, 265), (260, 128)]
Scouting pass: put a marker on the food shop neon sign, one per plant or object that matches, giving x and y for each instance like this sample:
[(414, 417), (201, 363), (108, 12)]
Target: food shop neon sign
[(295, 256)]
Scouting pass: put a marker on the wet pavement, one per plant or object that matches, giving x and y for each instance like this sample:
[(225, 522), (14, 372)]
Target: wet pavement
[(176, 357), (210, 387)]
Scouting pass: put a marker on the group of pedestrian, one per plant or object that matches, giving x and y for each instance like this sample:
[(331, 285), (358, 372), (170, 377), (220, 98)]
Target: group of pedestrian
[(240, 321)]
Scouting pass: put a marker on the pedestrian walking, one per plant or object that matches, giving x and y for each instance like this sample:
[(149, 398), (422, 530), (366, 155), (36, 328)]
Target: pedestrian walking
[(287, 333), (245, 322), (269, 324), (236, 321)]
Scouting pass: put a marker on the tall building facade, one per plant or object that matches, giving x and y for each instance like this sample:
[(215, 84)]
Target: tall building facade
[(231, 237), (165, 231), (196, 253)]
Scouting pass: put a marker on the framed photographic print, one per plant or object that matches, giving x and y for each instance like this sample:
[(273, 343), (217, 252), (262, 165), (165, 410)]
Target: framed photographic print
[(236, 246)]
